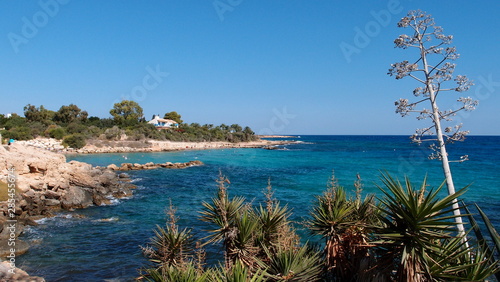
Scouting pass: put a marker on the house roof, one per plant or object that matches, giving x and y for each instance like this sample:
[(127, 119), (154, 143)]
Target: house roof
[(157, 119), (166, 120)]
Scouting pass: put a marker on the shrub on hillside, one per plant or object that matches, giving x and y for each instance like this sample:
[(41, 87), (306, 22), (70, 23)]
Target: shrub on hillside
[(57, 133), (113, 133), (37, 128), (18, 133), (77, 127), (94, 131), (75, 141)]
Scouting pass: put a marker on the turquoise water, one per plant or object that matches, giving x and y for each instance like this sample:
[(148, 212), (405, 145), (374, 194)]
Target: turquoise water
[(104, 244)]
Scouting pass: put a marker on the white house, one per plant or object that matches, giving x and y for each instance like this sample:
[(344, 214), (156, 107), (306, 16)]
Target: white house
[(162, 123)]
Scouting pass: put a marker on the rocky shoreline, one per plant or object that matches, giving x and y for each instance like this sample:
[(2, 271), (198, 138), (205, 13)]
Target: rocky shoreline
[(130, 166), (45, 183), (124, 146)]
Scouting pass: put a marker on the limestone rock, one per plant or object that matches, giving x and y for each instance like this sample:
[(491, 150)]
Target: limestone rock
[(6, 274), (19, 248), (52, 202), (113, 167), (76, 198), (150, 165)]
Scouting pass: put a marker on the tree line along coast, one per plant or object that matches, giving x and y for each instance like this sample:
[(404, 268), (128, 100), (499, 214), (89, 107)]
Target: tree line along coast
[(75, 128)]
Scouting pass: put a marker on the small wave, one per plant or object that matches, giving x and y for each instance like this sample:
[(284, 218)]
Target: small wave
[(303, 142), (45, 220), (136, 180), (112, 201), (115, 201), (42, 220), (113, 218)]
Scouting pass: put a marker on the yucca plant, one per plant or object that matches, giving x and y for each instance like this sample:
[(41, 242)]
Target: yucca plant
[(415, 223), (224, 213), (170, 251), (482, 242), (187, 273), (454, 260), (170, 246), (275, 230), (243, 249), (344, 224), (302, 264), (237, 273)]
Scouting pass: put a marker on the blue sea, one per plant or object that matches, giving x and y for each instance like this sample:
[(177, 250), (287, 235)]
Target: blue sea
[(102, 243)]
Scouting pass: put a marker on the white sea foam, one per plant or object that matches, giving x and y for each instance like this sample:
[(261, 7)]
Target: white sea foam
[(136, 180), (113, 218)]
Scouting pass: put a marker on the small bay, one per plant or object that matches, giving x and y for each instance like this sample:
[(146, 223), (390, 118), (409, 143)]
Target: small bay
[(102, 243)]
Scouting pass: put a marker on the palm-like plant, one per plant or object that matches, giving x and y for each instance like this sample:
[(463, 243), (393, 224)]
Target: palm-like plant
[(243, 249), (188, 273), (454, 260), (302, 264), (415, 228), (169, 246), (344, 223), (237, 273), (170, 251), (482, 242), (275, 230), (224, 213)]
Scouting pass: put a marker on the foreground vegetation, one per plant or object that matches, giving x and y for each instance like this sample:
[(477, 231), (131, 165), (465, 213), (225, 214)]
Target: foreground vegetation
[(75, 127), (406, 235)]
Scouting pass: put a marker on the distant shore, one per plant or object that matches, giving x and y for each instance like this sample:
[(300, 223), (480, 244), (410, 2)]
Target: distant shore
[(278, 136), (104, 146)]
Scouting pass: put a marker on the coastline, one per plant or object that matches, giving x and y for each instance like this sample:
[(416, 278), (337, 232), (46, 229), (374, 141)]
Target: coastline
[(101, 147), (46, 183), (278, 136)]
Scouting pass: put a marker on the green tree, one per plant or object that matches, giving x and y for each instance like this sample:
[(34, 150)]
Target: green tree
[(173, 116), (70, 113), (126, 113), (434, 71), (15, 121), (38, 114), (100, 122), (236, 128)]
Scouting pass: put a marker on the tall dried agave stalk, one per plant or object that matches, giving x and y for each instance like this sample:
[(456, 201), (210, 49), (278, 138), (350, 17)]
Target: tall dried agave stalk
[(434, 75)]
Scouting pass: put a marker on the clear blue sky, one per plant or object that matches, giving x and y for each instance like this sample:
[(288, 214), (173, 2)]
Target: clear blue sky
[(276, 66)]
